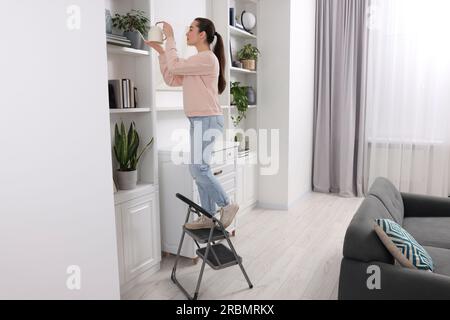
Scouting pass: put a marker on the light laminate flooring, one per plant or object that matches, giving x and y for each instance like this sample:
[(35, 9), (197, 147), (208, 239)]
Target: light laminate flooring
[(288, 255)]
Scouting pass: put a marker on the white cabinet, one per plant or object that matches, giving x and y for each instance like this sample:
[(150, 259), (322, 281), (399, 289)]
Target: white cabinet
[(136, 211), (138, 235), (247, 182), (176, 178)]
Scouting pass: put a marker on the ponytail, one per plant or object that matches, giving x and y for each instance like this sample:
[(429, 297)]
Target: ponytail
[(219, 50)]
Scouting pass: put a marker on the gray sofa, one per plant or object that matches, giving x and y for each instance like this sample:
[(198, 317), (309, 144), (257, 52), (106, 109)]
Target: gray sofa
[(427, 219)]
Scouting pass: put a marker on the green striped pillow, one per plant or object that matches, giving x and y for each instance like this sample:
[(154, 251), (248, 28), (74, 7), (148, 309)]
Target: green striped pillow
[(403, 247)]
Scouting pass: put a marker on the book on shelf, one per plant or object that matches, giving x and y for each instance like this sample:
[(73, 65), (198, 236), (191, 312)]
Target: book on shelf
[(119, 43), (122, 94), (118, 40), (125, 96), (116, 36), (243, 153), (116, 87)]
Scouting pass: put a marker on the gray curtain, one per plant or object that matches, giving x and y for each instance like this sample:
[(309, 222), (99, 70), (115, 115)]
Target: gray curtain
[(340, 91)]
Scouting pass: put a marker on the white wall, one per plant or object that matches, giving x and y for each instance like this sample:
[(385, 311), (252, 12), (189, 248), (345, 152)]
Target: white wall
[(273, 106), (302, 39), (287, 30), (56, 186), (185, 13)]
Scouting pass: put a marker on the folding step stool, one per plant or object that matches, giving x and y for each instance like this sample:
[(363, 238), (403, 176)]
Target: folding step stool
[(217, 256)]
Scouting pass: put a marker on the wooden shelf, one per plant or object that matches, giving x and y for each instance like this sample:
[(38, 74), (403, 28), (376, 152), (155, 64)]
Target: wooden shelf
[(112, 49), (241, 33), (240, 70), (129, 110)]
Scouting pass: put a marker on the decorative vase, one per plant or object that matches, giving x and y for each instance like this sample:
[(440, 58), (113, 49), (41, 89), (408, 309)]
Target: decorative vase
[(127, 180), (249, 64), (135, 38), (251, 96), (108, 21)]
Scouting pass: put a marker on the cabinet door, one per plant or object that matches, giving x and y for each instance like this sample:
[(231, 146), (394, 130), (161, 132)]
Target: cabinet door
[(250, 184), (138, 221), (119, 235), (240, 185)]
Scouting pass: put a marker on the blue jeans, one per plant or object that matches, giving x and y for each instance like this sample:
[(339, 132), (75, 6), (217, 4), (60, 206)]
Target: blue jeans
[(203, 132)]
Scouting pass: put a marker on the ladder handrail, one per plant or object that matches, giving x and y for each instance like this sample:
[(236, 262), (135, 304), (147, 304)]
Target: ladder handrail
[(194, 205)]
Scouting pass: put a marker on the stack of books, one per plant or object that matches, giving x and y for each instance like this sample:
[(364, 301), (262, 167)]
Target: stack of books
[(122, 94), (243, 153), (118, 40)]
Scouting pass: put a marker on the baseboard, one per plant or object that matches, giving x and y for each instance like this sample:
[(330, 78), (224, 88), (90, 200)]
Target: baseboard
[(300, 198), (282, 207), (272, 206)]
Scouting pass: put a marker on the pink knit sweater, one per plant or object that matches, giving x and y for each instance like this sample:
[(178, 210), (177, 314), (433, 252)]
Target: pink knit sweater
[(199, 77)]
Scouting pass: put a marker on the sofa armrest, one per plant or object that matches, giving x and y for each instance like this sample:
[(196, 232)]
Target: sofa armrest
[(397, 283), (418, 206)]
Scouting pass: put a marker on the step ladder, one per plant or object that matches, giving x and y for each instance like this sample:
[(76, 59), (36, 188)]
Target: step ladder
[(216, 255)]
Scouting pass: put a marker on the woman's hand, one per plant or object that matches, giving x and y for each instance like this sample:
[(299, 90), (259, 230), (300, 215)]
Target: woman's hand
[(167, 28), (156, 46)]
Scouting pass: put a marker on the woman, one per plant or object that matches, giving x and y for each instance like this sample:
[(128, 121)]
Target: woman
[(202, 79)]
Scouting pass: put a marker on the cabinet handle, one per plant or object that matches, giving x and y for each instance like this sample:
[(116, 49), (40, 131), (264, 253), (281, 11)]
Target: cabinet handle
[(218, 173)]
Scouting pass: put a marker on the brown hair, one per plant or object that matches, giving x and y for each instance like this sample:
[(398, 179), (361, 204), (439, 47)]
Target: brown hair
[(208, 26)]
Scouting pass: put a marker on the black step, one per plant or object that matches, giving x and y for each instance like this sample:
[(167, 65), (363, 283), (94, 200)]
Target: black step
[(225, 257), (202, 235)]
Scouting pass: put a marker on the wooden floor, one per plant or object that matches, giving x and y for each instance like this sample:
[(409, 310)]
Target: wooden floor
[(288, 255)]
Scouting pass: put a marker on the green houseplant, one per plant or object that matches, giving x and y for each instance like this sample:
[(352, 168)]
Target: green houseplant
[(240, 100), (132, 23), (126, 151), (248, 55)]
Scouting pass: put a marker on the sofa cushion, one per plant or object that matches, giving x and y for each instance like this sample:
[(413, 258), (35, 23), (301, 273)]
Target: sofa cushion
[(388, 194), (441, 260), (403, 247), (433, 232), (361, 242)]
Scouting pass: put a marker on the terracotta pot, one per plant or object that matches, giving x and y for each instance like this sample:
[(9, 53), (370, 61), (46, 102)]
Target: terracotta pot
[(249, 64)]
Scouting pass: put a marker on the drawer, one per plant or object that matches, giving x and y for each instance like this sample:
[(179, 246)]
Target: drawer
[(222, 171), (229, 186), (227, 182), (222, 157), (226, 178)]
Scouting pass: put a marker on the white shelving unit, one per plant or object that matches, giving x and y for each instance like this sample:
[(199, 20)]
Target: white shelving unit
[(234, 39), (136, 211), (130, 110), (241, 70), (113, 49), (241, 33)]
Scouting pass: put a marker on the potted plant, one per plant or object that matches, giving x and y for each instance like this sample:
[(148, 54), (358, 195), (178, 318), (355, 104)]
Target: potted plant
[(132, 23), (248, 56), (126, 152), (240, 100)]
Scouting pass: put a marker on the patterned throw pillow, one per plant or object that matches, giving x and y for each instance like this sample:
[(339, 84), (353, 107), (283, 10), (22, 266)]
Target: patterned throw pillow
[(403, 247)]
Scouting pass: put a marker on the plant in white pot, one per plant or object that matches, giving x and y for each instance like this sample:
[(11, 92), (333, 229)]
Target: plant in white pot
[(132, 24), (126, 151)]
